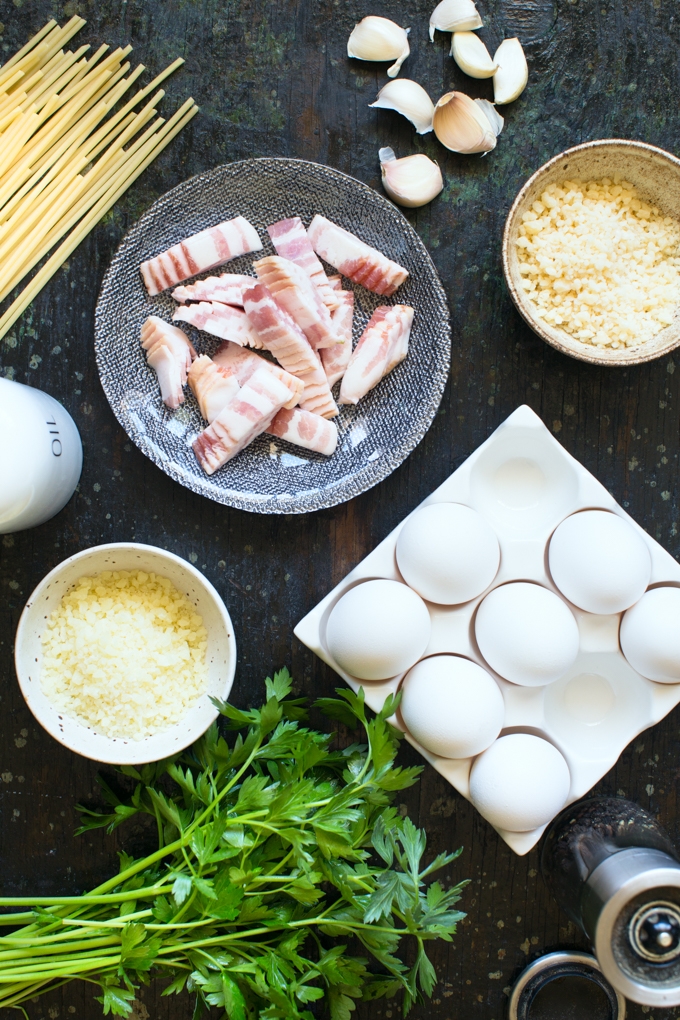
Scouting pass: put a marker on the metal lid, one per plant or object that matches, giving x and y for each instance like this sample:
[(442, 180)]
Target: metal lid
[(552, 966)]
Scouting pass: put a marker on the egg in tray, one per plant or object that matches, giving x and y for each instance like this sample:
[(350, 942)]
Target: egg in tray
[(529, 622)]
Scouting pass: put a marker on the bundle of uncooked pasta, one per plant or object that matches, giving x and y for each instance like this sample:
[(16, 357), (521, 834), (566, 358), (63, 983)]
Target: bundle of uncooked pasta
[(68, 149)]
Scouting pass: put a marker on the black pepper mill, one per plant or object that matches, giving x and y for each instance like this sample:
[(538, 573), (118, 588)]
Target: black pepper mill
[(614, 871)]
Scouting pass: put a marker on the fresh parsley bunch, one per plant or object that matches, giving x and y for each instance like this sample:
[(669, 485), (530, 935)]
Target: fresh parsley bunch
[(283, 877)]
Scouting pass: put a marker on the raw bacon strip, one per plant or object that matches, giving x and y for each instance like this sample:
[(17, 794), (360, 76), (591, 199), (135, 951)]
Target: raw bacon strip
[(304, 429), (227, 288), (224, 321), (278, 332), (170, 353), (244, 362), (335, 282), (383, 345), (241, 421), (355, 259), (214, 386), (202, 251), (289, 237), (335, 359), (292, 289), (317, 396)]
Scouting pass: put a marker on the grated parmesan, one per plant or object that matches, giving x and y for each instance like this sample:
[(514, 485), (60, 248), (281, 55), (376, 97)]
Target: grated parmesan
[(125, 653), (600, 263)]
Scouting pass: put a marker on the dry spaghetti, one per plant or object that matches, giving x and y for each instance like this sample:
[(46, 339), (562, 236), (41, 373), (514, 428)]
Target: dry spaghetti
[(68, 150)]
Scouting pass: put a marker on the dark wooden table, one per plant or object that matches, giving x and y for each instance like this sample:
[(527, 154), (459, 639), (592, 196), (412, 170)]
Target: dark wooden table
[(272, 79)]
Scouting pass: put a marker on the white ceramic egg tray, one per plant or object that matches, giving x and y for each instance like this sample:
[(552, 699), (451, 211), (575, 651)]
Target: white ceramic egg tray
[(524, 484)]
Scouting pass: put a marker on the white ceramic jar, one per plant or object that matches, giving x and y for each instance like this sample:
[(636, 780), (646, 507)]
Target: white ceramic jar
[(41, 456)]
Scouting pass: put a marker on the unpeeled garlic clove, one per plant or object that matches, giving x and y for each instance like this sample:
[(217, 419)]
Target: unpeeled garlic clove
[(471, 55), (454, 16), (379, 39), (493, 116), (511, 78), (461, 125), (411, 181), (410, 100)]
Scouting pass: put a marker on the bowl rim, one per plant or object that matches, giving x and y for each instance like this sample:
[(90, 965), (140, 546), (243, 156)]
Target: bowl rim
[(114, 757), (523, 307)]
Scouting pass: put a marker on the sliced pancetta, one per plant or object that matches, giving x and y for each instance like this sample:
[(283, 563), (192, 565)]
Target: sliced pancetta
[(227, 288), (383, 345), (355, 259), (292, 289), (289, 237), (278, 332), (244, 418), (202, 251), (336, 359), (244, 362), (305, 429), (214, 386), (224, 321), (170, 353)]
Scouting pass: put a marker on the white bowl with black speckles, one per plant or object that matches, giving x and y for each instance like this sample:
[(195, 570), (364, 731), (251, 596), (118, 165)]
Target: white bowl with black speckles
[(220, 657)]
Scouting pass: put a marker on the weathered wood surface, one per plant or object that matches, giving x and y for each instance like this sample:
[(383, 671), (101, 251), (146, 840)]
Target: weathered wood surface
[(272, 78)]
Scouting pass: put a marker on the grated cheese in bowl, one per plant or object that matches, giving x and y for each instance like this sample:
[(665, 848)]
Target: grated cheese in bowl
[(600, 263), (125, 653)]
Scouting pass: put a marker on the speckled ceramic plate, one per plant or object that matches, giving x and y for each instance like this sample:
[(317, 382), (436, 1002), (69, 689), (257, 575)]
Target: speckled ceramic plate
[(270, 475)]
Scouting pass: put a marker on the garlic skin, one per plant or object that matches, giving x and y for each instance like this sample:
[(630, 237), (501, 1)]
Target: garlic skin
[(511, 78), (462, 125), (379, 39), (471, 55), (493, 116), (454, 16), (410, 100), (412, 181)]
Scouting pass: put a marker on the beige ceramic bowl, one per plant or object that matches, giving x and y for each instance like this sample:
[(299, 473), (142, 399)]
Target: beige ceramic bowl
[(221, 654), (656, 175)]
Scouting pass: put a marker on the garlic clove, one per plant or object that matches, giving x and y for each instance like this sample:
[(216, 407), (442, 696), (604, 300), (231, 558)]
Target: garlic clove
[(411, 181), (379, 39), (410, 100), (471, 55), (461, 125), (511, 78), (494, 117), (454, 16)]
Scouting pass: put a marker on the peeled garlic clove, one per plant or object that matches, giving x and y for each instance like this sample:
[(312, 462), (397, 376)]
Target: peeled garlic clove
[(494, 117), (471, 55), (454, 16), (379, 39), (511, 78), (412, 181), (461, 125), (410, 100)]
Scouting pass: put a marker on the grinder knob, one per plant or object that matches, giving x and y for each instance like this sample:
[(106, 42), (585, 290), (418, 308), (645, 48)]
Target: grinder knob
[(654, 932)]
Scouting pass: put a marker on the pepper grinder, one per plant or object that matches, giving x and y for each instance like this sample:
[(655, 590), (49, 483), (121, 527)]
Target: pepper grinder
[(614, 871)]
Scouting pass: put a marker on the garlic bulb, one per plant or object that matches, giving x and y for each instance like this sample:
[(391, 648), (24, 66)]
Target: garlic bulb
[(461, 124), (510, 80), (454, 16), (379, 39), (412, 181), (471, 55), (493, 116), (410, 100)]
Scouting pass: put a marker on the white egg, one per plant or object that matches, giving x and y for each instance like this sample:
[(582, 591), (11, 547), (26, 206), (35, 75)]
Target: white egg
[(452, 706), (520, 782), (650, 635), (526, 633), (378, 629), (599, 562), (447, 553)]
